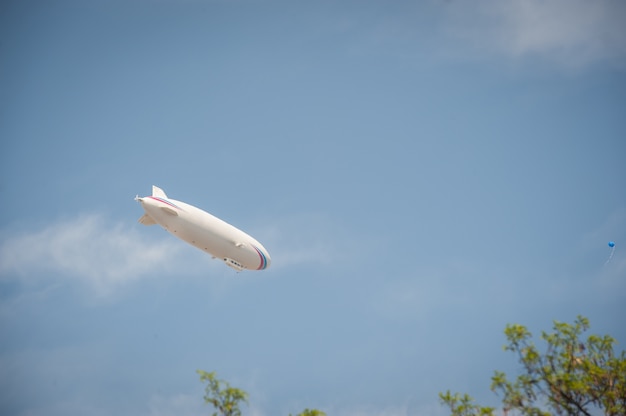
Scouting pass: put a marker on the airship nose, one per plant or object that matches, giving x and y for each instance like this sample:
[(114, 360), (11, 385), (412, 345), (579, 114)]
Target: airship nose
[(264, 257)]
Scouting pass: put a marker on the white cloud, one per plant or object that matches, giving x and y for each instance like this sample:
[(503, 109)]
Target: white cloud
[(572, 33), (90, 249), (105, 256)]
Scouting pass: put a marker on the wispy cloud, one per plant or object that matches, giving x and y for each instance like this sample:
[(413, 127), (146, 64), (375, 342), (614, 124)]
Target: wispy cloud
[(571, 33), (89, 249), (307, 239), (105, 255)]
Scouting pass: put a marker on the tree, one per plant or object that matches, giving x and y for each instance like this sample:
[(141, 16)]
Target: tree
[(226, 399), (572, 377), (221, 395), (312, 412)]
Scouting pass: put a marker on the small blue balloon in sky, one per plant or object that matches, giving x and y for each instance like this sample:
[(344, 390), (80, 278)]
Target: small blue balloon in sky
[(612, 246)]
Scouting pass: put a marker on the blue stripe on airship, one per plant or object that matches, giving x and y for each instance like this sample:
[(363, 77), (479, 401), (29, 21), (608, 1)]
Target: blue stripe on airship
[(263, 258), (165, 201)]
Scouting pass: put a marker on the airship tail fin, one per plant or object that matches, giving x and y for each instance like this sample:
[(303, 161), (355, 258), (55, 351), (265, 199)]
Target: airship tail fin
[(156, 191), (146, 220)]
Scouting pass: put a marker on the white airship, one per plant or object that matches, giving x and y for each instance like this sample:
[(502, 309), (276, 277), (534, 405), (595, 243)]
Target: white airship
[(204, 231)]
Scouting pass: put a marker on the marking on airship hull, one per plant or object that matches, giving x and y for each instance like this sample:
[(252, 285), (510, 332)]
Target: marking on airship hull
[(165, 201), (263, 264)]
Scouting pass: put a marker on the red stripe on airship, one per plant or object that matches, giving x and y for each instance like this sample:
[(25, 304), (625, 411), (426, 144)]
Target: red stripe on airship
[(263, 264), (165, 201)]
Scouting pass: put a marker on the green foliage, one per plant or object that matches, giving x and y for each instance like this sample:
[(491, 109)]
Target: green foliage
[(572, 377), (312, 412), (224, 398), (464, 405)]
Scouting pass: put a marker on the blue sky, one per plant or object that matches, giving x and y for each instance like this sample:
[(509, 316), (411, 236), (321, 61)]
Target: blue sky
[(422, 173)]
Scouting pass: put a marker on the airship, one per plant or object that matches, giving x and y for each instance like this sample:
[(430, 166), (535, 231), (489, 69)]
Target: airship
[(204, 231)]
